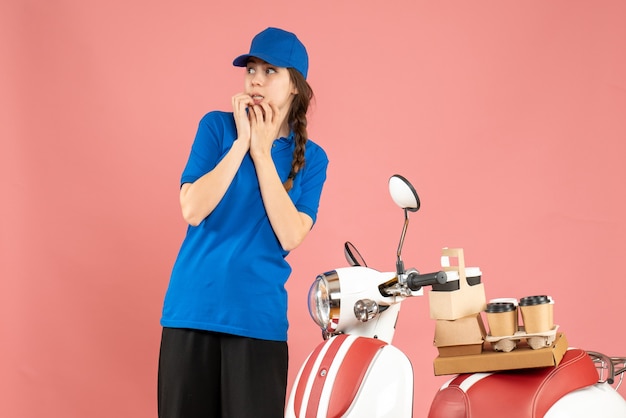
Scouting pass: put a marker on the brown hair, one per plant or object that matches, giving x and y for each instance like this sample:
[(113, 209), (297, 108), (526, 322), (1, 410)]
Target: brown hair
[(298, 122)]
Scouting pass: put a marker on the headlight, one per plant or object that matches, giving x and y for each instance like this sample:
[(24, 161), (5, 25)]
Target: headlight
[(319, 302), (324, 301)]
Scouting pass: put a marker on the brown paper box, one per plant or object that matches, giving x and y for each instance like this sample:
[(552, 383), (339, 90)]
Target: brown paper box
[(523, 357), (460, 303), (463, 336)]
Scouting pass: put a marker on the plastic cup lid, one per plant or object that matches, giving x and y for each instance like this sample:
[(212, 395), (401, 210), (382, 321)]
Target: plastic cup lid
[(472, 272), (534, 300), (508, 300), (497, 307)]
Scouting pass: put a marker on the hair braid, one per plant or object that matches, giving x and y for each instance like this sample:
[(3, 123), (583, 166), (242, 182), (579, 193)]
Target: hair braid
[(298, 122)]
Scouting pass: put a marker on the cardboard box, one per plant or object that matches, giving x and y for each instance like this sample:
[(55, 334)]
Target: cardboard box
[(455, 304), (464, 336), (523, 357)]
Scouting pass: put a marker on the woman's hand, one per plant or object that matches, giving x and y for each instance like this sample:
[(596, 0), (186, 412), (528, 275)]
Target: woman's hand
[(266, 121), (241, 102)]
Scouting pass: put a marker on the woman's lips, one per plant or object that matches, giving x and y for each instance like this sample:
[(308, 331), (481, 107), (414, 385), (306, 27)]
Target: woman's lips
[(257, 98)]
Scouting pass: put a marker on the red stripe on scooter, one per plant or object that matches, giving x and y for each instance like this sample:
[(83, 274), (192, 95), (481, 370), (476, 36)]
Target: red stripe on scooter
[(321, 374), (306, 372), (304, 378), (459, 379), (351, 373)]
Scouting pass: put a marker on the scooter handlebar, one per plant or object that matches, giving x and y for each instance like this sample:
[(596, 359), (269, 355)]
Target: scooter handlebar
[(416, 281)]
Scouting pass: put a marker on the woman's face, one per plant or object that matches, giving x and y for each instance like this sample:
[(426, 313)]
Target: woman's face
[(269, 84)]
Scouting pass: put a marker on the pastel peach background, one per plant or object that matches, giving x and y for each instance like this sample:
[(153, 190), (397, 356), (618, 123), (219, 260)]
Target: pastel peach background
[(508, 117)]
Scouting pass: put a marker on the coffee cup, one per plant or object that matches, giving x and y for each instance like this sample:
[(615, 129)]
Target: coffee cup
[(473, 275), (502, 318), (537, 313)]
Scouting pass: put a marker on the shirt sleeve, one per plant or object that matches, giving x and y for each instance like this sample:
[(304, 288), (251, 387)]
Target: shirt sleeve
[(313, 178), (207, 148)]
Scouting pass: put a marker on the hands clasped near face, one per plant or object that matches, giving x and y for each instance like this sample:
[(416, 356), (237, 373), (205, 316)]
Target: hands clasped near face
[(258, 122)]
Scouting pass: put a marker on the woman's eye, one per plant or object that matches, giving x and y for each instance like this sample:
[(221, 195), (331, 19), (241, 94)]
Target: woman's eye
[(250, 70), (270, 71)]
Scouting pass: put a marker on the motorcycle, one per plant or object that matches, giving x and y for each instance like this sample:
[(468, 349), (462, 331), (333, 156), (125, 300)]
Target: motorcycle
[(357, 372)]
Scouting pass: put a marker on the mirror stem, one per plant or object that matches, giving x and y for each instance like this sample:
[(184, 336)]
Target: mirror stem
[(399, 263)]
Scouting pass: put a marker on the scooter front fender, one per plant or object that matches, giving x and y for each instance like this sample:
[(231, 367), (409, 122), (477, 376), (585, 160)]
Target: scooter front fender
[(349, 376)]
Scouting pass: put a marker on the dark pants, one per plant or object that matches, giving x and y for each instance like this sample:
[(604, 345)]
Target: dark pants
[(213, 375)]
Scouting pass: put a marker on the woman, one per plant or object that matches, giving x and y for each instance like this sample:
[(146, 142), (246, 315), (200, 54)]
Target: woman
[(250, 193)]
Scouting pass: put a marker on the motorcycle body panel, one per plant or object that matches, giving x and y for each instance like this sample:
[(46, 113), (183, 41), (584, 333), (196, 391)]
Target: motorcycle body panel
[(362, 283), (599, 400), (349, 376)]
